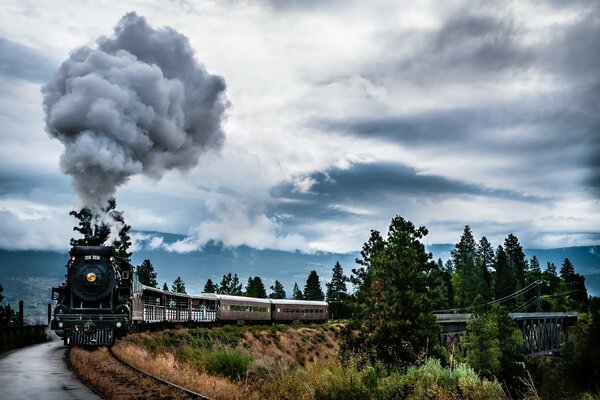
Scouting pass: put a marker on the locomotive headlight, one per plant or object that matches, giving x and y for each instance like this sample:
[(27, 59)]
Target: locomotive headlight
[(118, 324), (61, 324), (111, 259), (91, 277)]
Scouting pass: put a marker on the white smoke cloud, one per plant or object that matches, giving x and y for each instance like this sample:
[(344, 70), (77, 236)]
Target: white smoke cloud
[(138, 103)]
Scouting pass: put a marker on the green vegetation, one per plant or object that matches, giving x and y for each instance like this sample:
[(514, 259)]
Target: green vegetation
[(232, 364), (277, 291), (312, 289), (96, 230), (146, 274), (397, 326), (427, 381), (256, 288), (230, 284), (178, 285), (209, 287)]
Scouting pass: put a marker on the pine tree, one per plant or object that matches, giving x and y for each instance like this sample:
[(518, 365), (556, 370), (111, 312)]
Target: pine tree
[(485, 257), (567, 270), (1, 295), (438, 286), (397, 325), (165, 287), (336, 289), (312, 289), (492, 343), (468, 276), (146, 274), (277, 291), (210, 287), (123, 242), (96, 231), (296, 293), (517, 261), (575, 284), (256, 288), (505, 282), (178, 285), (533, 275), (231, 285)]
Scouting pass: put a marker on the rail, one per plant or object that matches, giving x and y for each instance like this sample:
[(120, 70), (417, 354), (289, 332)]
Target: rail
[(191, 393)]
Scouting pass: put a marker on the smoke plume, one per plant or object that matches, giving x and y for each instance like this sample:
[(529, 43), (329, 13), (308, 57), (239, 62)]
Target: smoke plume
[(137, 103)]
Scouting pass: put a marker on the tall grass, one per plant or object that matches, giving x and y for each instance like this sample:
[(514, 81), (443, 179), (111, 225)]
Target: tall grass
[(428, 381)]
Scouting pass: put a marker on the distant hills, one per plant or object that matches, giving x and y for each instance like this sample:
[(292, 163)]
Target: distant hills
[(30, 274)]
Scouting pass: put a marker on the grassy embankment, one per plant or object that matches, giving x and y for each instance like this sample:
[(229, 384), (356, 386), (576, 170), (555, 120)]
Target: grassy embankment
[(288, 362)]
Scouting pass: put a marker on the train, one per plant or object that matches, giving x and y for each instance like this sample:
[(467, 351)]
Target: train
[(103, 300)]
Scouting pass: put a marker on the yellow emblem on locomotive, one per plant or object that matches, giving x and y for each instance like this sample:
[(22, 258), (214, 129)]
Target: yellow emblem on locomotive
[(91, 277)]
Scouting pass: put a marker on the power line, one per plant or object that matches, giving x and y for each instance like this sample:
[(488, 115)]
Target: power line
[(501, 300)]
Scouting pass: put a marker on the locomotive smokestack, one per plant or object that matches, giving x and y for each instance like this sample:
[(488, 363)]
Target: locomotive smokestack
[(136, 103)]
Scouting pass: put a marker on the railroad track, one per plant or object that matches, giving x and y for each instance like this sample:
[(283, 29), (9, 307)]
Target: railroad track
[(190, 393), (111, 377)]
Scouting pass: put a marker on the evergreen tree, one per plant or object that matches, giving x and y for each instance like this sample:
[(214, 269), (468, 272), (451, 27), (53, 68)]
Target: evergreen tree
[(485, 257), (567, 270), (448, 271), (517, 263), (277, 291), (178, 285), (575, 284), (438, 286), (231, 285), (96, 230), (336, 289), (312, 289), (505, 282), (1, 295), (165, 287), (146, 274), (534, 274), (210, 287), (123, 242), (256, 288), (492, 342), (398, 325), (296, 293), (468, 277), (85, 226)]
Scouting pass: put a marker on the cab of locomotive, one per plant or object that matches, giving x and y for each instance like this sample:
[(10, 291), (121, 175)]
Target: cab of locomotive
[(93, 306)]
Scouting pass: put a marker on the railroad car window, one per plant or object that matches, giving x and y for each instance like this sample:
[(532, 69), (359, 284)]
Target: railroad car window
[(279, 310)]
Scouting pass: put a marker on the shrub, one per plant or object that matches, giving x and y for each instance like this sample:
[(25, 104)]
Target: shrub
[(232, 364)]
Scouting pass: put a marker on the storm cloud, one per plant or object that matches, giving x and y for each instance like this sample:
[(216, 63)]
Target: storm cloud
[(137, 103)]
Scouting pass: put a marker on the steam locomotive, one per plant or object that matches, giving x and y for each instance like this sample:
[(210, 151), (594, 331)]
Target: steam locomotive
[(103, 299)]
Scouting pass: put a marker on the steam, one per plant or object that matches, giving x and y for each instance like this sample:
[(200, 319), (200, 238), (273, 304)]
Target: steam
[(138, 103)]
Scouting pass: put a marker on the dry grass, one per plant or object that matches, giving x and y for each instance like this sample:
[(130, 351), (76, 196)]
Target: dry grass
[(276, 352), (115, 381), (300, 346), (165, 366)]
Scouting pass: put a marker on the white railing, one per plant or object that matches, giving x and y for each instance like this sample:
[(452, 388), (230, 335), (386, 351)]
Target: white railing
[(204, 315), (153, 313)]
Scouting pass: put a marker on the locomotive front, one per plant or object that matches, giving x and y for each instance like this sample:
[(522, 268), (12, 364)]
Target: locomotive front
[(94, 304)]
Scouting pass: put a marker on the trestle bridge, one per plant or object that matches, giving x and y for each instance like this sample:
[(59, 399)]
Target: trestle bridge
[(542, 332)]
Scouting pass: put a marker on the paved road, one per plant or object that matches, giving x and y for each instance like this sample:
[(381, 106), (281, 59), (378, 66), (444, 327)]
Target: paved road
[(39, 372)]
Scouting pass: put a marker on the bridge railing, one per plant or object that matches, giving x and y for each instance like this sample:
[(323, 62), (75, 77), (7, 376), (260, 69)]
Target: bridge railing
[(542, 332)]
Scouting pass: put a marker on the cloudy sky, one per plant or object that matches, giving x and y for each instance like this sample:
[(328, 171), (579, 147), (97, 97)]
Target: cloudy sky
[(339, 115)]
